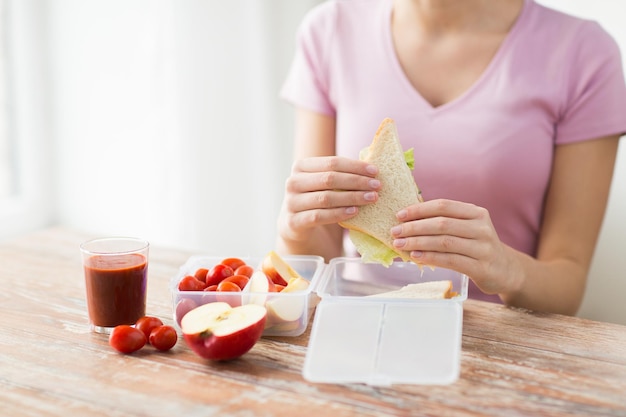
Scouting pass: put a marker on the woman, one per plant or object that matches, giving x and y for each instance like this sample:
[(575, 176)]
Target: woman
[(514, 111)]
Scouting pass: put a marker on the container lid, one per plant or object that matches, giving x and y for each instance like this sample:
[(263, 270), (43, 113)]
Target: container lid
[(384, 343)]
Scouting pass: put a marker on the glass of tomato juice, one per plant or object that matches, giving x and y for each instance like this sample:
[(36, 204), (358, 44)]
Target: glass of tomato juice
[(116, 277)]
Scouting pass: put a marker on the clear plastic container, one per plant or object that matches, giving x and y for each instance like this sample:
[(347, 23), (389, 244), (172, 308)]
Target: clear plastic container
[(288, 313), (384, 341)]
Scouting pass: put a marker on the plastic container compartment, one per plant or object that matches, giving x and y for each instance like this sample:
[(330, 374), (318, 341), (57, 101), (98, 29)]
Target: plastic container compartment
[(288, 313), (384, 341)]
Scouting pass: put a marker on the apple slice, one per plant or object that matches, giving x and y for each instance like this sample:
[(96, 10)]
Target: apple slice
[(296, 284), (279, 271), (287, 306), (284, 309), (219, 332), (255, 291)]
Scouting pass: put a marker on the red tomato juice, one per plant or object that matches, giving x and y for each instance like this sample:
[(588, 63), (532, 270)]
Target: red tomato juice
[(116, 288)]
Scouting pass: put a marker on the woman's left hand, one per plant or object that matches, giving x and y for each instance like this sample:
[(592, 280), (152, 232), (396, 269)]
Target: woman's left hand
[(455, 235)]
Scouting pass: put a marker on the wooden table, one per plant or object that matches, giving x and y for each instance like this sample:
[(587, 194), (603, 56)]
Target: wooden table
[(513, 362)]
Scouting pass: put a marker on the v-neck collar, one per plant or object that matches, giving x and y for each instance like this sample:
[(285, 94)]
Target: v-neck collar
[(482, 79)]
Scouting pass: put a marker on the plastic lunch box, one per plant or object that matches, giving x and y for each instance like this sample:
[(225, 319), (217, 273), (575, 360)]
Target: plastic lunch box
[(381, 341), (288, 313)]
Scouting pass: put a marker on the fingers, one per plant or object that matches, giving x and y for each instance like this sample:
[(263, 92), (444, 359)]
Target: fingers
[(305, 182), (444, 217), (439, 250), (454, 235), (329, 199), (454, 261), (330, 183), (326, 190), (440, 208), (334, 164), (305, 211), (331, 173), (446, 232), (309, 218)]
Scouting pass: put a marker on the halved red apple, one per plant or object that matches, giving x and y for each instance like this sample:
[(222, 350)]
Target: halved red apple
[(217, 331)]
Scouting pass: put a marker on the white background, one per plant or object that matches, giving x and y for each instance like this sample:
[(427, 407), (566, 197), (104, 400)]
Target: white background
[(160, 118)]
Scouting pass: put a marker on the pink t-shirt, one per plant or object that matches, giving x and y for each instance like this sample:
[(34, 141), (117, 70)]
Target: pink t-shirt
[(555, 79)]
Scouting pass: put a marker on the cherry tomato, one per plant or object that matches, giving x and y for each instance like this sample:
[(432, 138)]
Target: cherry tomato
[(246, 270), (239, 280), (200, 274), (163, 337), (228, 286), (147, 324), (190, 283), (234, 263), (127, 339), (211, 288), (218, 273)]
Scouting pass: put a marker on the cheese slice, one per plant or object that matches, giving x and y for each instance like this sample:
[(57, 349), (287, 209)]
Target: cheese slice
[(424, 290)]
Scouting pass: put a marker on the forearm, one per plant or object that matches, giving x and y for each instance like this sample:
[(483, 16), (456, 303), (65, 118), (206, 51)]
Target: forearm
[(555, 286), (556, 279), (325, 241)]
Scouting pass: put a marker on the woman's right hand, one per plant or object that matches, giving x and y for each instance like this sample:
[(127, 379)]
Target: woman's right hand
[(325, 190)]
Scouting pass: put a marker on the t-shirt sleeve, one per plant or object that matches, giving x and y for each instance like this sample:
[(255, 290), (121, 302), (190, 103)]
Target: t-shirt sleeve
[(306, 85), (595, 103)]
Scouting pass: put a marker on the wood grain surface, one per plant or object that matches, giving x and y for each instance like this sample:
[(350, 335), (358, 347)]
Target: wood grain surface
[(514, 362)]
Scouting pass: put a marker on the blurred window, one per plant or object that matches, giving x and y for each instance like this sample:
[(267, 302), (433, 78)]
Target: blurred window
[(6, 161)]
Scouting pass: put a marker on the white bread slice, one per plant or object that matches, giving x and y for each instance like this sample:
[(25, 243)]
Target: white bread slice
[(398, 190), (424, 290)]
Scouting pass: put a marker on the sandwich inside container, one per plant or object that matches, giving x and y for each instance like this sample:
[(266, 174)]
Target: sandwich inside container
[(384, 341)]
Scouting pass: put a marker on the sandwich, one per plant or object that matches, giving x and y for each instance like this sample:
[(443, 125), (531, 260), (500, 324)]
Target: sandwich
[(424, 290), (370, 229)]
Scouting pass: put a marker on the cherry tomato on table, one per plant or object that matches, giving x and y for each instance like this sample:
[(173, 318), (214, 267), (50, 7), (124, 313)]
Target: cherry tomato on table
[(127, 339), (163, 337), (147, 324)]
